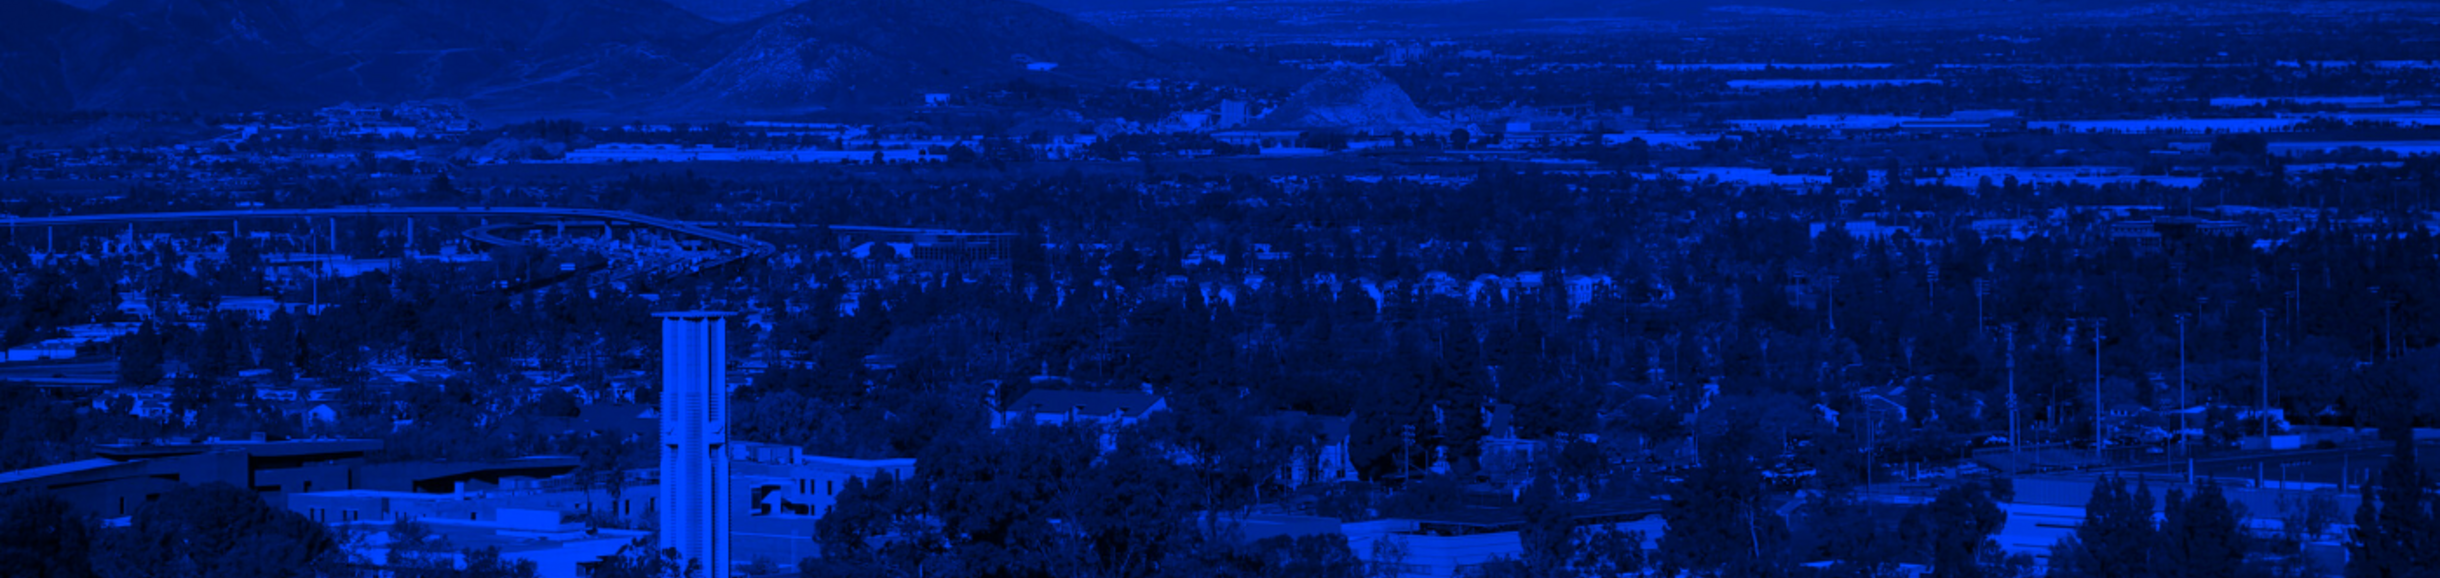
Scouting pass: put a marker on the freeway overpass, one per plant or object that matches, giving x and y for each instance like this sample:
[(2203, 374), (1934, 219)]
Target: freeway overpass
[(747, 247)]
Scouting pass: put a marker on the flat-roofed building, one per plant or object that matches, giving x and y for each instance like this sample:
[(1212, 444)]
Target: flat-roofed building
[(123, 476)]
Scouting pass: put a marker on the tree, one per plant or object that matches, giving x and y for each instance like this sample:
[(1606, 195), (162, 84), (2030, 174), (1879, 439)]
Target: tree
[(1959, 523), (1312, 556), (140, 356), (1129, 511), (1608, 552), (864, 512), (486, 562), (217, 531), (1862, 545), (1637, 152), (1719, 524), (640, 559), (41, 536), (2116, 538), (2397, 534), (417, 552), (2200, 537), (278, 340), (441, 189), (1550, 528), (555, 402), (2240, 144)]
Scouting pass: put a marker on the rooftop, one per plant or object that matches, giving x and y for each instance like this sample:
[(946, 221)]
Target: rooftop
[(395, 495), (693, 314), (856, 463), (157, 449), (55, 469)]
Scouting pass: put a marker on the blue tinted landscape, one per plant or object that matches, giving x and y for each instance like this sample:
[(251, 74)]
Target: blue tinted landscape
[(1230, 288)]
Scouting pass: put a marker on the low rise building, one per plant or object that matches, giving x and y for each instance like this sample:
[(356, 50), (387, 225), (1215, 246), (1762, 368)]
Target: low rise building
[(122, 477), (524, 527)]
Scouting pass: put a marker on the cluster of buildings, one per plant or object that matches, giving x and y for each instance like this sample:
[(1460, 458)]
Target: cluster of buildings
[(404, 119), (732, 502)]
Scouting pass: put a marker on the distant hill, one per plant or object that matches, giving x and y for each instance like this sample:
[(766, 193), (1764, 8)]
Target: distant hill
[(1353, 98), (1150, 19), (735, 10), (31, 40), (882, 51), (538, 55), (60, 57)]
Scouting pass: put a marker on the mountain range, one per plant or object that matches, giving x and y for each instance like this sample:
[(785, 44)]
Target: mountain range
[(631, 57)]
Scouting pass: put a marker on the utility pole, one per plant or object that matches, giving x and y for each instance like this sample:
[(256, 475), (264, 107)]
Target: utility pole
[(1832, 298), (2266, 374), (315, 275)]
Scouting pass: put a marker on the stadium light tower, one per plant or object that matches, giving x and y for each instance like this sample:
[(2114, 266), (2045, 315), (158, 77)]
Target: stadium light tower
[(2098, 459), (694, 435)]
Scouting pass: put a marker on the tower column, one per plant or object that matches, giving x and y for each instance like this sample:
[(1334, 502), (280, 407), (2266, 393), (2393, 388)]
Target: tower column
[(694, 438)]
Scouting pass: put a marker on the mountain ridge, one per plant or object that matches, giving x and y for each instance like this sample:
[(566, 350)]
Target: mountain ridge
[(233, 55)]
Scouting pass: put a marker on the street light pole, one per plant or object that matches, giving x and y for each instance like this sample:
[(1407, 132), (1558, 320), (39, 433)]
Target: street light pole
[(2296, 299), (2098, 459), (2266, 376), (2385, 334), (2181, 384), (1981, 287), (2015, 436)]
